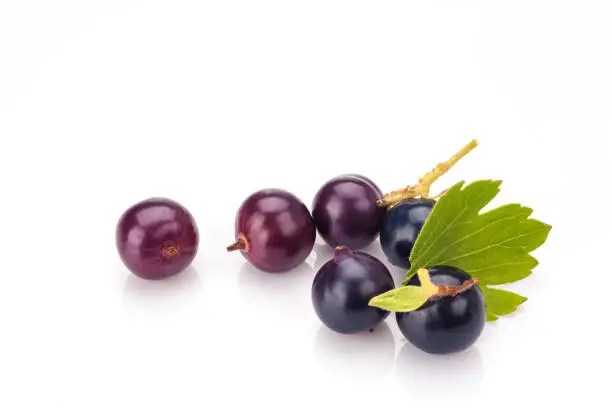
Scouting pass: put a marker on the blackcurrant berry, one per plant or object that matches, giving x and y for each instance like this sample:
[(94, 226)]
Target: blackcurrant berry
[(274, 230), (343, 287), (400, 228), (345, 211), (157, 238), (445, 324)]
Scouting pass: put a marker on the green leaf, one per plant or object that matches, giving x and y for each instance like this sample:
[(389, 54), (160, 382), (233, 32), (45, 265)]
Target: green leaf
[(500, 302), (492, 247), (402, 299)]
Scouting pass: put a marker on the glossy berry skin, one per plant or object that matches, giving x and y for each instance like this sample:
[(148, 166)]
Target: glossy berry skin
[(447, 324), (274, 230), (345, 211), (156, 238), (401, 227), (343, 287)]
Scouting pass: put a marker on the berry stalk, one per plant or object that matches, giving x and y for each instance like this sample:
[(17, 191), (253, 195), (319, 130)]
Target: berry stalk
[(422, 188), (240, 245), (443, 290), (452, 291)]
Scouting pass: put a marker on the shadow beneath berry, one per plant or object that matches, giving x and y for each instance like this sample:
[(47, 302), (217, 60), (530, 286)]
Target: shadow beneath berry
[(368, 354), (165, 295), (257, 279), (323, 254), (284, 292), (460, 373)]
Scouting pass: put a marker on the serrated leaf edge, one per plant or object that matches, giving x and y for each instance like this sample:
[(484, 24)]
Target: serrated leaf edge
[(458, 188), (490, 316)]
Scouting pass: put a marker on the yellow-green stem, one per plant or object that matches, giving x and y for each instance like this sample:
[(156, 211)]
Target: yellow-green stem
[(422, 188)]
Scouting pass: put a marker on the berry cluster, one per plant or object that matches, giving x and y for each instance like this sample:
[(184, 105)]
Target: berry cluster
[(275, 231)]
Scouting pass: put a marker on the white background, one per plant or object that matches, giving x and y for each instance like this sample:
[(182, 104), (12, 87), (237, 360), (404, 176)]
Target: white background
[(105, 103)]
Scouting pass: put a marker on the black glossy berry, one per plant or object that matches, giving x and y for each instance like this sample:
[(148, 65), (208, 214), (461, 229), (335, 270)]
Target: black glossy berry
[(400, 229), (343, 287), (445, 324)]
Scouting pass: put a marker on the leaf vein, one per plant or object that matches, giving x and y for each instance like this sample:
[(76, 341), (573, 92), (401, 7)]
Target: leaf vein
[(471, 235), (499, 265), (436, 237), (486, 247)]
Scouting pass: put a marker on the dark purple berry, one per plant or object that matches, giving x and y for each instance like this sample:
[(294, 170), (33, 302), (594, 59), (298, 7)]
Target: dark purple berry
[(157, 238), (274, 230), (343, 287), (401, 227), (345, 211), (445, 324)]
